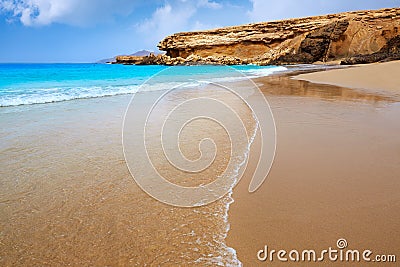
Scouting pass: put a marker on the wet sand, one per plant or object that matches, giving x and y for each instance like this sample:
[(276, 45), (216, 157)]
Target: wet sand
[(377, 77), (335, 175), (67, 197)]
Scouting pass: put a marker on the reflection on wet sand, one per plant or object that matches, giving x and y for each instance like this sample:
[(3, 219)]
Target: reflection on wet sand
[(284, 85), (67, 198), (335, 175)]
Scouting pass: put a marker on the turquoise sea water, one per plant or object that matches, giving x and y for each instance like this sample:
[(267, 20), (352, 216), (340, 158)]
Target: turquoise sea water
[(66, 159), (23, 84)]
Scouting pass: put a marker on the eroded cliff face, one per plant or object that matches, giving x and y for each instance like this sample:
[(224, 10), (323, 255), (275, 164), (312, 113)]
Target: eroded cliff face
[(354, 37)]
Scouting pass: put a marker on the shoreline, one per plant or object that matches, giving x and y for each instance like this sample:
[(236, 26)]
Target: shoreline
[(124, 89), (304, 113), (334, 172), (376, 77)]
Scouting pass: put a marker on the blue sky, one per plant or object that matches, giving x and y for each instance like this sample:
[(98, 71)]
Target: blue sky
[(88, 30)]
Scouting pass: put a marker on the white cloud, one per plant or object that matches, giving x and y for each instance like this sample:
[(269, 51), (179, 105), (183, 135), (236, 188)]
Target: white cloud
[(166, 20), (209, 4), (199, 26), (176, 16), (72, 12), (90, 12)]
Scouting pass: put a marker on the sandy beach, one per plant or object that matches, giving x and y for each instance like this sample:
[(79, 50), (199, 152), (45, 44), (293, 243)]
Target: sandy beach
[(68, 198), (199, 133), (377, 77), (336, 169)]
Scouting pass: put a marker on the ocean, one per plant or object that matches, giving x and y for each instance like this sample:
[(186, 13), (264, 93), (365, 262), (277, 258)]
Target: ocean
[(22, 84), (67, 193)]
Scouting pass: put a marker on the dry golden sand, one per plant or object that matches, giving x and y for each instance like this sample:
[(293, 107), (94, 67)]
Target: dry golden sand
[(67, 197), (377, 77), (335, 175)]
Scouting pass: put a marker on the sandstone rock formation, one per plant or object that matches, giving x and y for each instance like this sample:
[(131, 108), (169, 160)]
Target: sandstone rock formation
[(306, 40), (352, 37), (129, 60), (390, 51)]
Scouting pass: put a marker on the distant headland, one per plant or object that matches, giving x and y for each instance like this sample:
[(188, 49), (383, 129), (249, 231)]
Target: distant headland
[(344, 38)]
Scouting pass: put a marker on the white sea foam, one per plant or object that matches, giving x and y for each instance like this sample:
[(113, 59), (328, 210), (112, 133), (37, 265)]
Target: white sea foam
[(250, 73), (16, 97), (259, 72), (229, 251), (50, 95)]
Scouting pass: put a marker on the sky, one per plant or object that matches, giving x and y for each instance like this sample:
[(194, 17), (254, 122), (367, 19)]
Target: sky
[(90, 30)]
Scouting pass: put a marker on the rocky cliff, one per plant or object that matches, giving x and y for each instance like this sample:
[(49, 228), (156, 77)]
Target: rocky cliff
[(353, 37)]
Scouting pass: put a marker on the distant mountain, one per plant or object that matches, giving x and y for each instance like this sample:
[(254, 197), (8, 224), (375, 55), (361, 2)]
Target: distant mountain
[(140, 53), (106, 60)]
